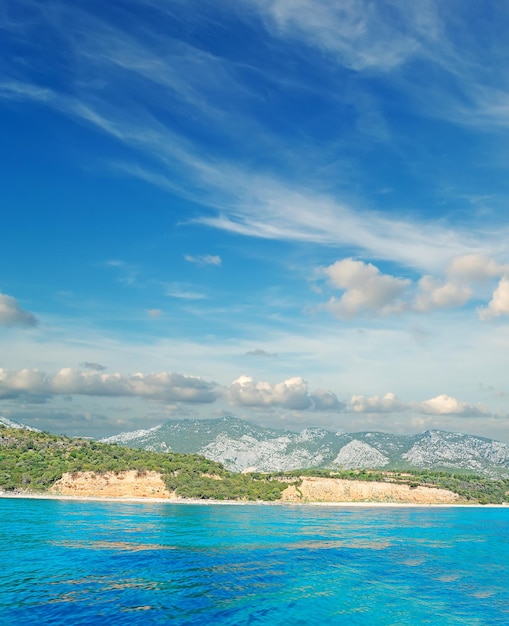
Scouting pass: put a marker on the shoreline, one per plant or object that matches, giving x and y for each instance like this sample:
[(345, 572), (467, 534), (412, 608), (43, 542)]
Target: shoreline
[(203, 502)]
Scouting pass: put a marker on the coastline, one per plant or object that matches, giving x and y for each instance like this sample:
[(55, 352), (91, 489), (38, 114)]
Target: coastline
[(148, 500)]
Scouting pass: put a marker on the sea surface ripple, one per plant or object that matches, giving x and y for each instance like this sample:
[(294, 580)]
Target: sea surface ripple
[(76, 562)]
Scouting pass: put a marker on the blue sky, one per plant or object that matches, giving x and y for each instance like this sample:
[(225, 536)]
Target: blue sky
[(291, 211)]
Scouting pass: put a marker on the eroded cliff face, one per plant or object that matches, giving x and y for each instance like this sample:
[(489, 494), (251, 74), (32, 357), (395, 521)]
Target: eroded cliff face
[(124, 484), (131, 484), (338, 490)]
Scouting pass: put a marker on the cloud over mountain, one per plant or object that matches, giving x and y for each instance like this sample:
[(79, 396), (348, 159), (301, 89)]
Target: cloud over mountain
[(446, 405), (163, 386), (292, 393)]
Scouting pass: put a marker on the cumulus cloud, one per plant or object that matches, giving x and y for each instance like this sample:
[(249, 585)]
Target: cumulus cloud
[(324, 400), (387, 404), (290, 394), (205, 259), (462, 275), (11, 314), (163, 386), (475, 267), (365, 289), (499, 304), (434, 294), (441, 405), (447, 405)]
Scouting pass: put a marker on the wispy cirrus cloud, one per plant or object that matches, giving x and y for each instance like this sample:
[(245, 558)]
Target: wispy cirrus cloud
[(203, 259), (465, 81), (239, 200), (183, 292), (361, 35)]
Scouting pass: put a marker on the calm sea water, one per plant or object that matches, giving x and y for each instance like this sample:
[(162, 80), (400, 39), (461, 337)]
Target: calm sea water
[(72, 562)]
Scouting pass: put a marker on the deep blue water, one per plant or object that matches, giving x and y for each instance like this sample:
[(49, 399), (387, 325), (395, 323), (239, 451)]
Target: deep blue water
[(76, 562)]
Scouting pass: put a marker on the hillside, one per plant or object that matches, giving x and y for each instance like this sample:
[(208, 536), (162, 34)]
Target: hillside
[(35, 461), (32, 461), (242, 446)]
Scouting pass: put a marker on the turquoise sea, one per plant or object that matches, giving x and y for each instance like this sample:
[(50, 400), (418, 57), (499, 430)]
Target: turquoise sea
[(88, 562)]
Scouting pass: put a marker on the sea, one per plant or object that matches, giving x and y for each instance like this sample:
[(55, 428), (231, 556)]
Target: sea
[(101, 562)]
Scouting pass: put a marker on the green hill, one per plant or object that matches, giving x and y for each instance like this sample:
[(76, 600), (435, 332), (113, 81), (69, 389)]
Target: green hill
[(33, 461)]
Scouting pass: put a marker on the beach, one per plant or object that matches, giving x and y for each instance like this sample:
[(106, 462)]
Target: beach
[(209, 502)]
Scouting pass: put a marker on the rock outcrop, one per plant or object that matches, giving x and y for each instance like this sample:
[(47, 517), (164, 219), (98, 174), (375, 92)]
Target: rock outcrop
[(130, 484), (238, 445)]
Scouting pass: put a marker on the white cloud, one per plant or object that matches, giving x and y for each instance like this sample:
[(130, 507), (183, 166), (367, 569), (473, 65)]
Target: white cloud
[(262, 206), (499, 304), (366, 290), (205, 259), (446, 405), (389, 403), (290, 394), (154, 313), (464, 273), (369, 38), (441, 405), (362, 34), (357, 32), (323, 400), (163, 386), (182, 292), (270, 209), (471, 267), (11, 314), (434, 294)]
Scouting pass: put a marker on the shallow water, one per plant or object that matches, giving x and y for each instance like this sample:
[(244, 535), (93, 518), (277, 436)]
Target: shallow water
[(77, 562)]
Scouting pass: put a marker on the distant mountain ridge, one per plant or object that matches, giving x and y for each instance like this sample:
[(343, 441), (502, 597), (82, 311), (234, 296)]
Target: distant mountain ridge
[(5, 421), (242, 446)]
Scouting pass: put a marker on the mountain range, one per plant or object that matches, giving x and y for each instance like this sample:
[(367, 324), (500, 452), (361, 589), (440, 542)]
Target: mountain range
[(242, 446), (5, 421)]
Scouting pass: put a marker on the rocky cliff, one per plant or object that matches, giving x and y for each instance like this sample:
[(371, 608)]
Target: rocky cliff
[(124, 484), (338, 490), (150, 485)]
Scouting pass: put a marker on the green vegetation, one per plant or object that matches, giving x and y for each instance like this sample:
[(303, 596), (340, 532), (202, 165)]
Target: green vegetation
[(33, 461)]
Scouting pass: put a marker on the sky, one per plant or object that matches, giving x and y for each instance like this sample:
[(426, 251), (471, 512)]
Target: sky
[(290, 211)]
